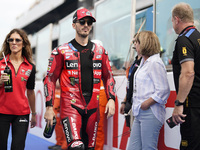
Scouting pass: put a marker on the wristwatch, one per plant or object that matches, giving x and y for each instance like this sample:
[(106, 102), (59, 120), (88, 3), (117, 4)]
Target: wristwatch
[(178, 103)]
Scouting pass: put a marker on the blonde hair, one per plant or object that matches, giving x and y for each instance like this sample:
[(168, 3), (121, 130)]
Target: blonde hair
[(149, 43), (26, 51), (184, 12)]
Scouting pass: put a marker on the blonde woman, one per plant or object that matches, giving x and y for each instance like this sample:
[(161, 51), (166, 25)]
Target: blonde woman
[(150, 94)]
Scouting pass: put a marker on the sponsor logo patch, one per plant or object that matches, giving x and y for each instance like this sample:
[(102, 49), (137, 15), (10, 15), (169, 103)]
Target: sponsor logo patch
[(97, 64), (97, 73), (198, 41), (94, 134), (71, 64), (23, 79), (23, 120), (98, 56), (55, 52), (73, 100), (67, 129), (74, 80), (76, 144), (72, 72), (67, 57), (28, 72), (184, 51), (46, 90), (74, 128), (184, 143), (62, 51), (96, 80)]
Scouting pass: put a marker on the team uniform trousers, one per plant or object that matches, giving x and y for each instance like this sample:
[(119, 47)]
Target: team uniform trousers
[(190, 129), (19, 130)]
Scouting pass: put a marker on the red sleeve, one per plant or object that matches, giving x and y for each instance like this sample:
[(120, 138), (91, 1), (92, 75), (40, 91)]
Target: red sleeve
[(107, 77), (53, 73)]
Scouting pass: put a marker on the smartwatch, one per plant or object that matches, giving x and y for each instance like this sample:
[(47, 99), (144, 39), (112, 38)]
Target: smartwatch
[(178, 103)]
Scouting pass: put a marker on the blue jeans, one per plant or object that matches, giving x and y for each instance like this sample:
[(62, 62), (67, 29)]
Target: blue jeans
[(145, 131)]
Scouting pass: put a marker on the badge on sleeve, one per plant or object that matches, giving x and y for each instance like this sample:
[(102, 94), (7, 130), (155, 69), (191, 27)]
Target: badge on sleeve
[(184, 51), (198, 41)]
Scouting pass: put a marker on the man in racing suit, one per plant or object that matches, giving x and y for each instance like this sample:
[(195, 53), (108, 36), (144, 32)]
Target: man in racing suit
[(79, 65)]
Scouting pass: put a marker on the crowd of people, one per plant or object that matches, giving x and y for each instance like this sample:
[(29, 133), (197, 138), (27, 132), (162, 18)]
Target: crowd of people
[(86, 89)]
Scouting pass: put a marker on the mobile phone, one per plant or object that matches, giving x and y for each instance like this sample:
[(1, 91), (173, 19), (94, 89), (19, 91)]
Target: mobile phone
[(170, 122)]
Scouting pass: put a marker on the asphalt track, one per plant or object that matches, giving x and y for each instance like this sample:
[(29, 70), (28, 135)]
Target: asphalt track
[(33, 143)]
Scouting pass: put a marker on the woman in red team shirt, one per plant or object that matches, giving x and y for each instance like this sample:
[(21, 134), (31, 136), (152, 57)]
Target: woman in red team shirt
[(15, 106)]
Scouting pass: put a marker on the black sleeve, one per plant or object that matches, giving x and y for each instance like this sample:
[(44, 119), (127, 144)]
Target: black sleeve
[(185, 49), (31, 80)]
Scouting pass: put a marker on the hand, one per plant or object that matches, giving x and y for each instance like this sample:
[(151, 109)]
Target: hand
[(3, 77), (177, 114), (110, 108), (33, 121), (122, 108), (145, 105), (49, 114)]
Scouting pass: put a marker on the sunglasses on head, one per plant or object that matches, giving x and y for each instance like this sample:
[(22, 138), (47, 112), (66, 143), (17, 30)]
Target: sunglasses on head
[(82, 22), (10, 40)]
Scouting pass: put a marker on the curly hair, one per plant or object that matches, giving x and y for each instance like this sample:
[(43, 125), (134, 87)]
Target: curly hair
[(26, 50)]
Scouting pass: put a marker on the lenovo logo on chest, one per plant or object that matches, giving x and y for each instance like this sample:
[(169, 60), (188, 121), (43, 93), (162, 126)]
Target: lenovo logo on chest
[(97, 64), (71, 64)]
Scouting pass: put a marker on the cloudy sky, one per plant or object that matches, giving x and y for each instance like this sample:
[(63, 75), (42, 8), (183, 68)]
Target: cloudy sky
[(9, 10)]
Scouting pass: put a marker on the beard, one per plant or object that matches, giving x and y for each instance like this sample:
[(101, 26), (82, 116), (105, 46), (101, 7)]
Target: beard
[(82, 34)]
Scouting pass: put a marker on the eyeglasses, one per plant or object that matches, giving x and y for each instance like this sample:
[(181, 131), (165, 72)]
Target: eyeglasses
[(10, 40), (82, 22)]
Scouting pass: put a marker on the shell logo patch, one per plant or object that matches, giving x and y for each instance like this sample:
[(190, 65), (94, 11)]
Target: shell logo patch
[(198, 41), (63, 51), (184, 143), (184, 51)]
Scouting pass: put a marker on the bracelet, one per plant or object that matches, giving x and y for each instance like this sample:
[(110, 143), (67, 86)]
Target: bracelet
[(123, 103), (34, 113)]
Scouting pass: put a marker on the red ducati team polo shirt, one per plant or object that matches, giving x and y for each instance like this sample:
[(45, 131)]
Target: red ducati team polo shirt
[(16, 102)]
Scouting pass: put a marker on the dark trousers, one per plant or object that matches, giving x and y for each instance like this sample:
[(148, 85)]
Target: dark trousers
[(190, 129), (19, 131)]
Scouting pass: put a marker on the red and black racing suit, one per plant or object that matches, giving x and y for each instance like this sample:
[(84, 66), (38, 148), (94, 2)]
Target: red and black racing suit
[(79, 116)]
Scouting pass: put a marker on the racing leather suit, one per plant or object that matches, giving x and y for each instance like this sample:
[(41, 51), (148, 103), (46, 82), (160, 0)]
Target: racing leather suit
[(76, 114)]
